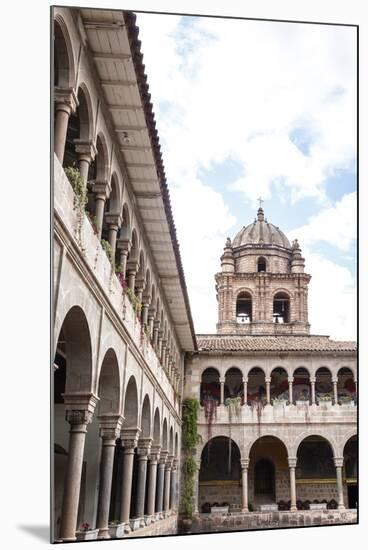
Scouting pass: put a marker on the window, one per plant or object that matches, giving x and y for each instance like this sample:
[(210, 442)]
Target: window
[(244, 308), (281, 308), (261, 265)]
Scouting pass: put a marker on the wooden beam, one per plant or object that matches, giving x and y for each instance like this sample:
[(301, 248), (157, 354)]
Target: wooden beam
[(140, 165), (130, 128), (112, 56), (119, 108), (109, 25), (142, 148), (118, 83)]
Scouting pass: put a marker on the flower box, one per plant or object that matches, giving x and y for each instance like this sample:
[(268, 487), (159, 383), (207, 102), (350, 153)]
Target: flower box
[(90, 534), (219, 509)]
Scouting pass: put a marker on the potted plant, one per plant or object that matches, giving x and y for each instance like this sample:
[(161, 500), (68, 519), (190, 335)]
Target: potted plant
[(86, 532)]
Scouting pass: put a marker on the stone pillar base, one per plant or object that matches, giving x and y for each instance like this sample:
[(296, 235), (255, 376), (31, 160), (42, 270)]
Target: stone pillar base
[(116, 531), (104, 533), (293, 509), (244, 510)]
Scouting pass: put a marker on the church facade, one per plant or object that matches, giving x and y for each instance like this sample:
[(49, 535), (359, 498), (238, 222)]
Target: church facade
[(278, 405), (273, 398)]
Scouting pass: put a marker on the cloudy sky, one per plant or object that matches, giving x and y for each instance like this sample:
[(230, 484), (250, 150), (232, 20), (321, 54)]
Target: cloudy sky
[(257, 108)]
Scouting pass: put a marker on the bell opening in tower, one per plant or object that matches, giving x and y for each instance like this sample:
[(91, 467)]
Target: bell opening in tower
[(244, 308), (281, 308)]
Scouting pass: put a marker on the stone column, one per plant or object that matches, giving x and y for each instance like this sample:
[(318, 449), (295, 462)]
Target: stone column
[(168, 467), (334, 384), (174, 473), (160, 481), (196, 487), (152, 479), (139, 283), (79, 412), (143, 452), (131, 278), (244, 466), (338, 465), (110, 427), (86, 151), (123, 247), (129, 439), (268, 390), (145, 306), (101, 189), (151, 318), (66, 103), (291, 380), (114, 222), (163, 352), (313, 389), (159, 344), (156, 325), (222, 390), (245, 391), (292, 466)]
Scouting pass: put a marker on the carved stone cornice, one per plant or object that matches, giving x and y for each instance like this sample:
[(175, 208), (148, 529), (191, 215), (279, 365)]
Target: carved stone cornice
[(155, 453), (85, 147), (292, 460), (244, 463), (113, 219), (66, 96), (110, 426), (129, 437), (79, 401), (339, 462), (101, 187), (163, 456), (144, 446), (124, 245)]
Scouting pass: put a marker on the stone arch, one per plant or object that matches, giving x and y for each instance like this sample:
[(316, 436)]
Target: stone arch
[(63, 55), (281, 301), (301, 384), (279, 387), (344, 441), (244, 307), (85, 112), (102, 158), (294, 446), (157, 428), (233, 383), (324, 384), (210, 385), (225, 452), (109, 385), (221, 432), (176, 445), (134, 251), (131, 404), (114, 203), (261, 264), (125, 230), (308, 369), (171, 441), (78, 351), (165, 436), (249, 445), (146, 417), (256, 386)]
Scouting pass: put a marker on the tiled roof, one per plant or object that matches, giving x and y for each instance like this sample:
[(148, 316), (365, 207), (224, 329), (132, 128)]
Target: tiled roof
[(219, 342)]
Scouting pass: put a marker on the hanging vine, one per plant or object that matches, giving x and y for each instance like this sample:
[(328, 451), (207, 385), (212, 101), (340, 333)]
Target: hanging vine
[(190, 440), (80, 198), (233, 405)]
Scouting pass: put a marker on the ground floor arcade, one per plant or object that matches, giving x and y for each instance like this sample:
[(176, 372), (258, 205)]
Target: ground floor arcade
[(270, 479)]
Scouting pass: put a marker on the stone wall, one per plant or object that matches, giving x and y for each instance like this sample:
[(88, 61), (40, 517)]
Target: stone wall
[(211, 523), (230, 493), (167, 526)]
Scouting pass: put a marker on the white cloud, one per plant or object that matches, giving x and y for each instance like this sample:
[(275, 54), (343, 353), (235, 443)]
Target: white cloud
[(336, 225), (231, 89)]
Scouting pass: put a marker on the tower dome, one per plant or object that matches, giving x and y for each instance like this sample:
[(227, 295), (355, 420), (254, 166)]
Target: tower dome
[(261, 232)]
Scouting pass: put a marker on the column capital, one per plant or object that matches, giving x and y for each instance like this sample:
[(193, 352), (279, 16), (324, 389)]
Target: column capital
[(85, 147), (268, 379), (339, 462), (110, 425), (78, 401), (244, 462), (245, 379), (222, 379), (292, 460), (66, 96), (163, 456), (129, 437), (124, 245), (101, 187), (113, 219), (155, 453), (144, 446), (312, 379), (290, 379), (175, 463), (334, 379)]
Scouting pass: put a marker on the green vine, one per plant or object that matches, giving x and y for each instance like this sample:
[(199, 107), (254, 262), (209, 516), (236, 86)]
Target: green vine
[(190, 440), (79, 187), (107, 248), (137, 306)]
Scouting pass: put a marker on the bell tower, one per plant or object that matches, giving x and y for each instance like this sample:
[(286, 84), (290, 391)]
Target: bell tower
[(262, 287)]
